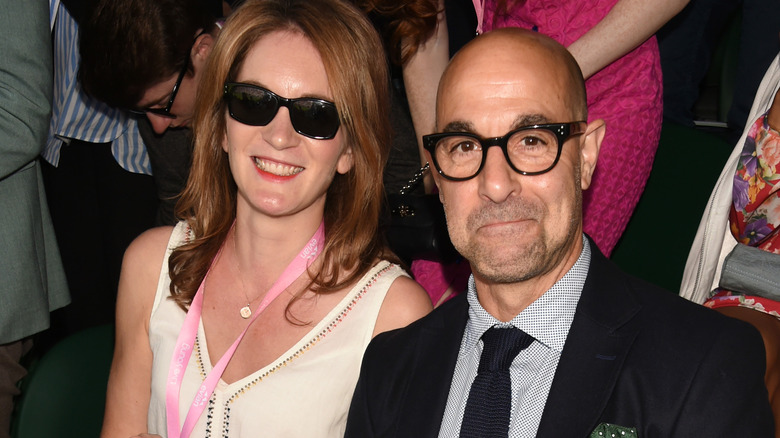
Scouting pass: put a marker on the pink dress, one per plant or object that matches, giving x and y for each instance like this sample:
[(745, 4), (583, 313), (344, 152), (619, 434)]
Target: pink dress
[(626, 94)]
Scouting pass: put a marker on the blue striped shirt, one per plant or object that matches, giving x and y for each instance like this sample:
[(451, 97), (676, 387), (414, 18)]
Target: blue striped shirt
[(78, 116)]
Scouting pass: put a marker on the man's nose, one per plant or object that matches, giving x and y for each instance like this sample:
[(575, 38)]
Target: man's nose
[(159, 123), (497, 181)]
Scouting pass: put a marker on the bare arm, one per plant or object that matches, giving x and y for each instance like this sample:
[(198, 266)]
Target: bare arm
[(405, 302), (626, 26), (421, 79), (129, 384)]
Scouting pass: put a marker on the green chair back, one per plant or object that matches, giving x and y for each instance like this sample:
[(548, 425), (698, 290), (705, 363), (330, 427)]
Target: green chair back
[(64, 392)]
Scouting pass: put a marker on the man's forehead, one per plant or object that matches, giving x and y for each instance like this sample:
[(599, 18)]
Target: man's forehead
[(527, 79)]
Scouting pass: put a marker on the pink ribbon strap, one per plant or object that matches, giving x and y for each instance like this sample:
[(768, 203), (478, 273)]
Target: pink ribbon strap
[(189, 331)]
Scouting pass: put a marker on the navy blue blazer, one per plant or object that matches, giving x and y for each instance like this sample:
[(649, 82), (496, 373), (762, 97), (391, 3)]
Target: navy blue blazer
[(636, 356)]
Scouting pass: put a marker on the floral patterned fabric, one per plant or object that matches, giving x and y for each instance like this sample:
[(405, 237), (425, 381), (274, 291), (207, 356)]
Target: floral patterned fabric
[(755, 213)]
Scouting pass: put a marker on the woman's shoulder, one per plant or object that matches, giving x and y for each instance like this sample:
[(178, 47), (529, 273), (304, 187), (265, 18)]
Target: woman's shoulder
[(147, 252), (150, 242), (405, 302)]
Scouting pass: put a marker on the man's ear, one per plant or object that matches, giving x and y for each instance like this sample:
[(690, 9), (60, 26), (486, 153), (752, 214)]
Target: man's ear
[(432, 171), (200, 50), (590, 144)]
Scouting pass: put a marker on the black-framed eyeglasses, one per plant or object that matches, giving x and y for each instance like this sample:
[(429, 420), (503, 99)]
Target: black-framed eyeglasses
[(166, 112), (255, 106), (529, 150)]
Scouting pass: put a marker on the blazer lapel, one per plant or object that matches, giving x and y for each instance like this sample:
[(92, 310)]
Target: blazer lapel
[(434, 365), (596, 347)]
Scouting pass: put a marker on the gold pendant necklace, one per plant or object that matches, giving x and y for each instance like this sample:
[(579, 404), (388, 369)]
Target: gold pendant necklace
[(245, 311)]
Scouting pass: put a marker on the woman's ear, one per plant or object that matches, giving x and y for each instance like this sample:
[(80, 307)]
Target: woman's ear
[(345, 162)]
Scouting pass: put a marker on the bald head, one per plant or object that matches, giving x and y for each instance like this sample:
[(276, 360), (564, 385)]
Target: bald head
[(510, 54)]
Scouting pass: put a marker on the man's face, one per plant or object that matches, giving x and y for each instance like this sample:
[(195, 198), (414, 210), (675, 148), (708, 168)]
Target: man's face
[(511, 227), (183, 107), (158, 96)]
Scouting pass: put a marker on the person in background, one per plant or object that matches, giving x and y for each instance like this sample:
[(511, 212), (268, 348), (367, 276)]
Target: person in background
[(33, 281), (734, 262), (156, 51), (551, 339), (109, 176), (276, 280), (688, 42)]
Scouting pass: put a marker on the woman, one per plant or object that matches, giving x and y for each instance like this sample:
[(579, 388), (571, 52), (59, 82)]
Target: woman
[(733, 263), (290, 136)]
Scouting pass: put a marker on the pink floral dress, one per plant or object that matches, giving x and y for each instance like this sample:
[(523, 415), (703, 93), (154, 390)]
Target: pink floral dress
[(627, 94), (755, 211)]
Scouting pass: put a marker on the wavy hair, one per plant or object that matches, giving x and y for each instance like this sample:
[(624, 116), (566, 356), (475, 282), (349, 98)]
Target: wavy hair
[(348, 46)]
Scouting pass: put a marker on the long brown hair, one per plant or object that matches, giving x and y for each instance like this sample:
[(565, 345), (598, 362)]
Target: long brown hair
[(348, 45)]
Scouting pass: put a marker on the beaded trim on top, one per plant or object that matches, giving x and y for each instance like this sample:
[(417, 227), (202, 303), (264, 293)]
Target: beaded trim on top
[(286, 361)]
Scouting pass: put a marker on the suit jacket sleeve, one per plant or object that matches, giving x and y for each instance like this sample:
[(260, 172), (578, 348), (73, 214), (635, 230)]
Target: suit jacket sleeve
[(25, 82), (727, 396)]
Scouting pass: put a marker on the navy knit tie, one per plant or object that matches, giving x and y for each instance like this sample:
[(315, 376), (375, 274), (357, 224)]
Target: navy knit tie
[(490, 399)]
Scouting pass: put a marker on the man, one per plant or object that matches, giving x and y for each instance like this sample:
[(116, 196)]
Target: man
[(597, 352), (156, 50), (32, 281), (111, 176)]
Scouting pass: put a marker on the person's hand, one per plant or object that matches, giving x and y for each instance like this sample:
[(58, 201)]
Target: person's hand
[(145, 435), (774, 113)]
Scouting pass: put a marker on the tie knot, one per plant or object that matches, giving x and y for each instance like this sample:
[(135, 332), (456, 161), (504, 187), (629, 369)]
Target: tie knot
[(501, 346)]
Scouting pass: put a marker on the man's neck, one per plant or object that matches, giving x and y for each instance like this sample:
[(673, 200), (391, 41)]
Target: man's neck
[(506, 300)]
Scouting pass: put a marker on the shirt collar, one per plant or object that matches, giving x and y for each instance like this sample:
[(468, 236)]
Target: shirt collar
[(547, 319)]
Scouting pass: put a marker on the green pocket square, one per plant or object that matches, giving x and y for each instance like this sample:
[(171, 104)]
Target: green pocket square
[(606, 430)]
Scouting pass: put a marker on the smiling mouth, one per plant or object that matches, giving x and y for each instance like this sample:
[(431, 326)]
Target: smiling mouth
[(277, 169)]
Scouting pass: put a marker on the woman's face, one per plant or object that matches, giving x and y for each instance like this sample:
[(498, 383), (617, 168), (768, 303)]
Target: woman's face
[(278, 171)]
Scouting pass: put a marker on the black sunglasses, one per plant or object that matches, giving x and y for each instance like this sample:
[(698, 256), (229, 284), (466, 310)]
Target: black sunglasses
[(256, 106), (166, 112)]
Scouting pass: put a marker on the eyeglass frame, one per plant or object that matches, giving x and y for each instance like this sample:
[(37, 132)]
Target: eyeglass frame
[(562, 132), (166, 112)]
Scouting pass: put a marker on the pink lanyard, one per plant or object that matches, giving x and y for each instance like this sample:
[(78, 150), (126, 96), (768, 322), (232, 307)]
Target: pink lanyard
[(186, 339), (479, 8)]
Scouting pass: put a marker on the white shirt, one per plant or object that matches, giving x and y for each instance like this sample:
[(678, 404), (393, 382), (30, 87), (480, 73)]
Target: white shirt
[(548, 320)]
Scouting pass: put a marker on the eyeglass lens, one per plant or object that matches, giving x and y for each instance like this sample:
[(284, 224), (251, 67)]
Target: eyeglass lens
[(256, 106), (529, 150)]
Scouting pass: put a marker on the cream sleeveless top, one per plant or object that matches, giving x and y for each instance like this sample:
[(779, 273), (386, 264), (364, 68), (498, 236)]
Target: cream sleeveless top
[(306, 392)]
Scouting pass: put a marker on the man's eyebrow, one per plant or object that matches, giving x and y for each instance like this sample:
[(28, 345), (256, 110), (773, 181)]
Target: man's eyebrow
[(459, 126), (530, 119), (520, 121)]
